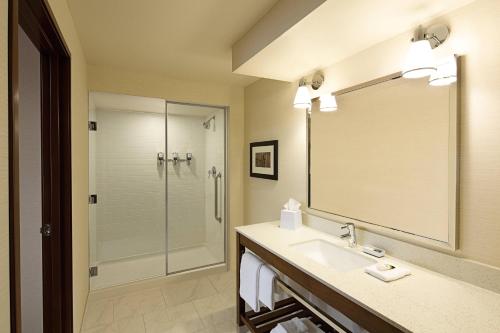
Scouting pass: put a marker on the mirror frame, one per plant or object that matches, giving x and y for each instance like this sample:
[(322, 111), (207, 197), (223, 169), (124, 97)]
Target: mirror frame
[(453, 176)]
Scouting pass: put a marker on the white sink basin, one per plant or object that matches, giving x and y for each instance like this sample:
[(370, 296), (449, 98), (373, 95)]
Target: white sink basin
[(332, 255)]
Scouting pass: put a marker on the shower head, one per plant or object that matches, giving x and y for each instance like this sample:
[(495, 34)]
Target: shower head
[(206, 124)]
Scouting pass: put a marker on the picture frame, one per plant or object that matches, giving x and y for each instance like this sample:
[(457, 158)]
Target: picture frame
[(264, 159)]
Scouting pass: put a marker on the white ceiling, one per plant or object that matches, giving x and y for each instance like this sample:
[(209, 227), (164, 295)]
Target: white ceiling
[(188, 40), (336, 30)]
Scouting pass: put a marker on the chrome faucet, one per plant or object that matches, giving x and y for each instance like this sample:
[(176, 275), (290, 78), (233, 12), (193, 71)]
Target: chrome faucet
[(351, 233)]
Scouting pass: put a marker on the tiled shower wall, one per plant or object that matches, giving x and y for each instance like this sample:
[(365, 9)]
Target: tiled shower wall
[(130, 216), (186, 183), (215, 154), (130, 184)]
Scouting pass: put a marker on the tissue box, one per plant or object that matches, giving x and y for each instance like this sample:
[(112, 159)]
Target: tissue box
[(290, 219)]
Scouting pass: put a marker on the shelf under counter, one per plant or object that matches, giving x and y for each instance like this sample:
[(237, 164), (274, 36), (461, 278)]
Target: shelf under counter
[(265, 320)]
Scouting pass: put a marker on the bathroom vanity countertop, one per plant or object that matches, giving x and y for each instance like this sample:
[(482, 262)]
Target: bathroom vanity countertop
[(425, 301)]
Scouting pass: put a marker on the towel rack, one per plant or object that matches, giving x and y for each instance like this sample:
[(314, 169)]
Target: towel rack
[(294, 306), (311, 307)]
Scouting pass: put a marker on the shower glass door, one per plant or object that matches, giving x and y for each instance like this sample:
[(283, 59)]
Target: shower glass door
[(157, 188), (196, 177), (127, 222)]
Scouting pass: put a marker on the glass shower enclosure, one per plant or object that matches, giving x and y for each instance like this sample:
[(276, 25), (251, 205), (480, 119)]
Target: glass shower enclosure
[(157, 185)]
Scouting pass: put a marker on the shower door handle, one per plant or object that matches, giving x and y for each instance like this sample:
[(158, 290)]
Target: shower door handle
[(216, 201)]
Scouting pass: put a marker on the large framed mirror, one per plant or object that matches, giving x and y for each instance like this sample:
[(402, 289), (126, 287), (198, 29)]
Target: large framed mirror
[(387, 159)]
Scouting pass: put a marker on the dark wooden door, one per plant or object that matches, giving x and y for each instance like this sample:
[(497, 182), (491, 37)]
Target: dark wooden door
[(36, 20)]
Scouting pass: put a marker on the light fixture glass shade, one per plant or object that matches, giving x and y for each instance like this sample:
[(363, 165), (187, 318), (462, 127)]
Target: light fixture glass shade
[(328, 103), (445, 74), (419, 60), (302, 98)]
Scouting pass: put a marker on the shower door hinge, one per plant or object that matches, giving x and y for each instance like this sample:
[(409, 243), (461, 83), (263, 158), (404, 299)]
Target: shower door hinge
[(92, 125), (92, 199), (93, 271)]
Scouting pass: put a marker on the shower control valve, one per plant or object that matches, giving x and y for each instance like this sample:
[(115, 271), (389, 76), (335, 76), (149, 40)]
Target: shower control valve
[(212, 172), (161, 158), (175, 158), (189, 157)]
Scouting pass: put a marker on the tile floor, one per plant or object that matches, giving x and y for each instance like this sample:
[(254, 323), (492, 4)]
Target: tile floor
[(200, 305)]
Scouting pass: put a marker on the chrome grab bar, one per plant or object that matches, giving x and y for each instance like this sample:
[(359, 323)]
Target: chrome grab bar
[(213, 173), (216, 192)]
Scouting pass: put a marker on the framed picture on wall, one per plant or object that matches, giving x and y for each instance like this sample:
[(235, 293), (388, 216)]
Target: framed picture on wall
[(264, 159)]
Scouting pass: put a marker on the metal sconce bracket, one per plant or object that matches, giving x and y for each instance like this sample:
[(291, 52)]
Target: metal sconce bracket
[(435, 34), (317, 80)]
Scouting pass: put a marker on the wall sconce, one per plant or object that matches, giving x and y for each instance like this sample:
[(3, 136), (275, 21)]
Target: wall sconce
[(303, 97), (328, 103), (445, 74), (420, 60)]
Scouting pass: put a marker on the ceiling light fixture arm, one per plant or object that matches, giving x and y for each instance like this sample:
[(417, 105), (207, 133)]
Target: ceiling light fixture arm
[(435, 34), (317, 81)]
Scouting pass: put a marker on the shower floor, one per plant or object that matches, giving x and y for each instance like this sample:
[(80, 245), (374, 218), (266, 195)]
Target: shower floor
[(181, 260), (119, 272)]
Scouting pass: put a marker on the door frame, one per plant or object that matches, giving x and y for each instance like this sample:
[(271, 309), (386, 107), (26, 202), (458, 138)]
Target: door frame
[(36, 19)]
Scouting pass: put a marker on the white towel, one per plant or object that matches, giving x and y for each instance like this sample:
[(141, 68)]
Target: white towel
[(391, 274), (297, 325), (267, 278), (249, 279), (294, 325), (311, 327)]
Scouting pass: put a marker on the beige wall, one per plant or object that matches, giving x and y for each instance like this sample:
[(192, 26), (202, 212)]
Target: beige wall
[(471, 29), (4, 176), (280, 18), (152, 85), (79, 161), (269, 115)]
